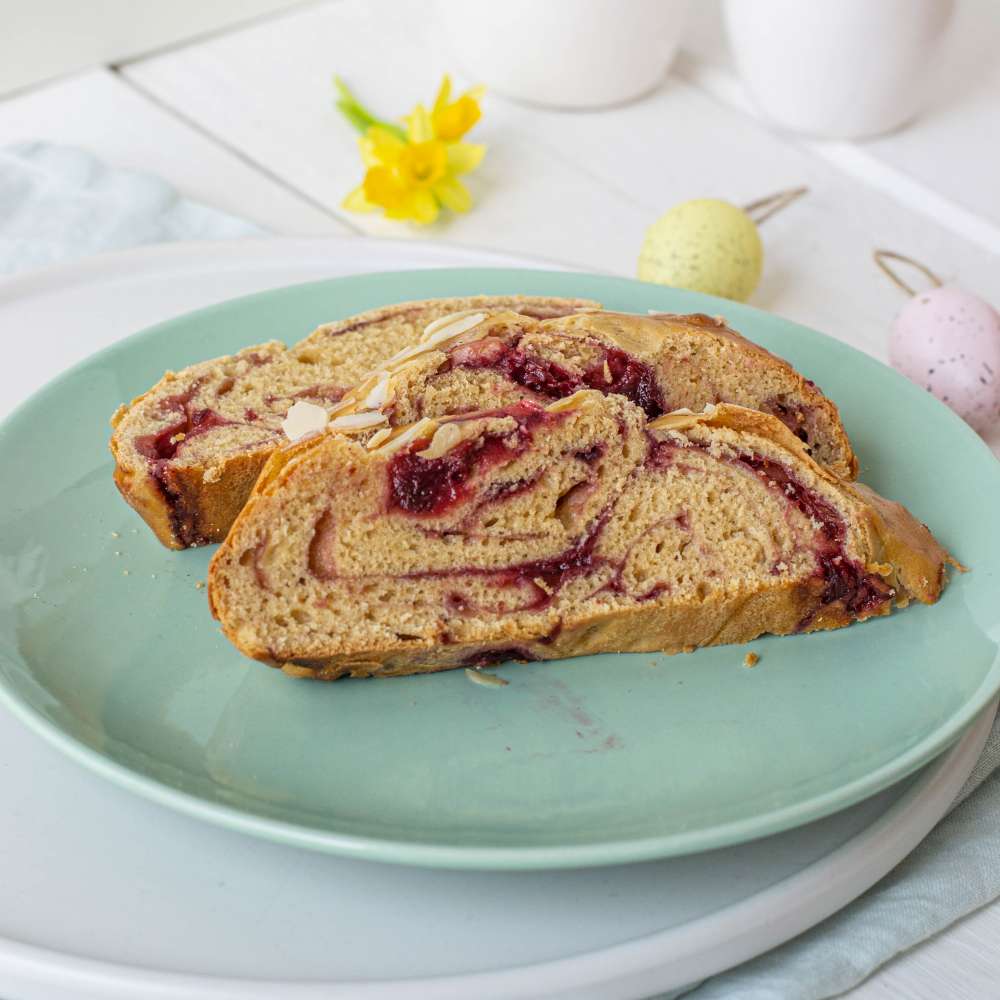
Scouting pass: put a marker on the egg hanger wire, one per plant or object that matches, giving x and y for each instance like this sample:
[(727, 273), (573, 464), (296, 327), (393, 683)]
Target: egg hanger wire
[(766, 207), (882, 257)]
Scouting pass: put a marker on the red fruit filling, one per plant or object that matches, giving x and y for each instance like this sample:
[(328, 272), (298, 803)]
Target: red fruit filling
[(429, 486), (163, 446), (494, 657), (615, 371), (793, 417), (630, 378), (591, 454), (546, 576), (844, 579)]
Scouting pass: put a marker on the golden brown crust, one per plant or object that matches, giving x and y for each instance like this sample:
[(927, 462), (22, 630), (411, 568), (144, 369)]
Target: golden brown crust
[(895, 546)]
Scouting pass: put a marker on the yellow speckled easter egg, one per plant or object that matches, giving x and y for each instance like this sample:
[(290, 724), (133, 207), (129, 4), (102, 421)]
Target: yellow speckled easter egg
[(705, 245)]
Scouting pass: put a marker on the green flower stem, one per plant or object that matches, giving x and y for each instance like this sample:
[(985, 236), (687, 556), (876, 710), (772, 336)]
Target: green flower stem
[(358, 115)]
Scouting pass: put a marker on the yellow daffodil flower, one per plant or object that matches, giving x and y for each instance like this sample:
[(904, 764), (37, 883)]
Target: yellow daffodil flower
[(412, 174), (452, 119)]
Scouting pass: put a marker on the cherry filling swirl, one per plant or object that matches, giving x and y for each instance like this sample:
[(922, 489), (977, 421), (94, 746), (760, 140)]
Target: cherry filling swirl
[(614, 371)]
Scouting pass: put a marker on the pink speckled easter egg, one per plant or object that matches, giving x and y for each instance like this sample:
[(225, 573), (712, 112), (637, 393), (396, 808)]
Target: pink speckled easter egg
[(948, 341)]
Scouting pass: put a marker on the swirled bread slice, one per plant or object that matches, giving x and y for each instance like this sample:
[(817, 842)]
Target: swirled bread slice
[(537, 532), (188, 451)]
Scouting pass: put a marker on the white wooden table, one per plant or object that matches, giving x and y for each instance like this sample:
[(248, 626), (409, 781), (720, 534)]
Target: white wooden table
[(244, 120)]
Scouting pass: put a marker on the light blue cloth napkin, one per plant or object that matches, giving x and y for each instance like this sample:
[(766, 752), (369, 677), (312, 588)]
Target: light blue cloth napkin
[(954, 871), (57, 203)]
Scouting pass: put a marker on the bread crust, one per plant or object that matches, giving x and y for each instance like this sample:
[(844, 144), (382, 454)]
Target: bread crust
[(897, 547)]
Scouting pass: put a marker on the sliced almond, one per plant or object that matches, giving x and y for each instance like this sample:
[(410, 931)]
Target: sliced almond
[(456, 326), (400, 358), (486, 680), (422, 428), (344, 404), (380, 393), (350, 423), (436, 324), (678, 420), (302, 420), (378, 437), (569, 402), (445, 438)]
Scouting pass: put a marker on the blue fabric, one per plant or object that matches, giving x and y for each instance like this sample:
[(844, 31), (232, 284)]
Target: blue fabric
[(954, 871), (57, 203)]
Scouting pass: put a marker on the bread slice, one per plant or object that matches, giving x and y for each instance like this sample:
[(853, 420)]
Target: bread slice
[(536, 532), (188, 451)]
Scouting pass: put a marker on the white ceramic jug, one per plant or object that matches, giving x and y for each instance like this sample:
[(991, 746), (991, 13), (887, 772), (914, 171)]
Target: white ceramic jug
[(565, 53), (837, 68)]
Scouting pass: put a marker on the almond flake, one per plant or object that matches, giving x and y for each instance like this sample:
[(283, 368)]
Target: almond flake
[(445, 438), (486, 680), (302, 420), (379, 394), (378, 437), (437, 333), (442, 321), (349, 423), (568, 402), (422, 428)]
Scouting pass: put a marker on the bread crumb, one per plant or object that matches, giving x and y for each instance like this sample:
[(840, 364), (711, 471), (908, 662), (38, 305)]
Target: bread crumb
[(198, 584), (114, 534), (124, 572), (751, 660), (117, 552)]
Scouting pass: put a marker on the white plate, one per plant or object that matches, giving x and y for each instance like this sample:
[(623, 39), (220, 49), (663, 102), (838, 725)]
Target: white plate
[(106, 896)]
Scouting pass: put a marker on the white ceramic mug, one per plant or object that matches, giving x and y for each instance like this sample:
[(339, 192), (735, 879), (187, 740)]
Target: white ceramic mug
[(565, 53), (837, 68)]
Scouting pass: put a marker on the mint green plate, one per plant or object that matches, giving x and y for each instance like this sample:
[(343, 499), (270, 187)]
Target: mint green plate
[(107, 648)]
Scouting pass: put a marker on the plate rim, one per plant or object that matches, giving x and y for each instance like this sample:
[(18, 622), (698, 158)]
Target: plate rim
[(501, 858)]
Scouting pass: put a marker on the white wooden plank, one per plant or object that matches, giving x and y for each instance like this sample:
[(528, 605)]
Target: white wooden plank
[(105, 115), (580, 186), (47, 38), (267, 91)]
